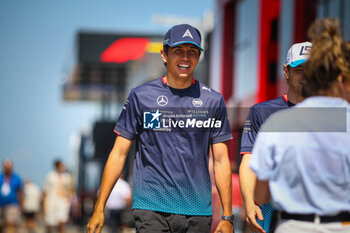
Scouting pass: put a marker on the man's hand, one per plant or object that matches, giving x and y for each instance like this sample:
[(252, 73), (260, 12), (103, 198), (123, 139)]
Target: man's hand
[(224, 226), (252, 212), (96, 222), (111, 173)]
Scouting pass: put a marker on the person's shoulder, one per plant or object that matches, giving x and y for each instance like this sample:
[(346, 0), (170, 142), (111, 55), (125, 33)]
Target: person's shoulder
[(35, 187), (264, 109), (17, 179), (276, 122), (51, 175), (16, 176), (280, 115), (277, 102), (209, 92), (154, 84)]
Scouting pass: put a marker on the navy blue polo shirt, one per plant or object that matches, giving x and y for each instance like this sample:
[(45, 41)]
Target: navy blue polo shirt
[(173, 129), (258, 114)]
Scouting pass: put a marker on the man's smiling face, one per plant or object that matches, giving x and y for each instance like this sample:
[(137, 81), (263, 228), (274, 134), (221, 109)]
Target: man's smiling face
[(182, 60)]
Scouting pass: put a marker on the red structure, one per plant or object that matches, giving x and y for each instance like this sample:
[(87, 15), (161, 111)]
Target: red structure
[(227, 50), (268, 50), (268, 26)]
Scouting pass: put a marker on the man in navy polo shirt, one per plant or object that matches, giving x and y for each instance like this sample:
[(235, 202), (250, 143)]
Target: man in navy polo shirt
[(175, 121), (260, 218)]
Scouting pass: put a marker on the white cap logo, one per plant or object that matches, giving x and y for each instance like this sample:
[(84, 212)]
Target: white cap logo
[(187, 33)]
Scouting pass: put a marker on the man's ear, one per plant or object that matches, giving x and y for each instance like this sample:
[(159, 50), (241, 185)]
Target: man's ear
[(342, 85), (340, 78), (285, 72), (164, 56)]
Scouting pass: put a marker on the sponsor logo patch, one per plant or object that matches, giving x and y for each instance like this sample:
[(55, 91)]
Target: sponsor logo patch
[(162, 100), (151, 120), (197, 102)]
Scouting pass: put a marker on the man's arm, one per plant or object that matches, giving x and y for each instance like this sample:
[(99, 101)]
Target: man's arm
[(223, 180), (262, 191), (111, 173), (247, 180), (20, 197)]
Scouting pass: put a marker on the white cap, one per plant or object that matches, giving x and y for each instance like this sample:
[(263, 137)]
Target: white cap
[(298, 53)]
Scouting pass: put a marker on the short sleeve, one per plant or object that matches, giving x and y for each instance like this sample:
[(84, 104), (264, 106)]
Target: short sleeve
[(250, 132), (223, 133), (262, 161), (19, 184), (128, 123)]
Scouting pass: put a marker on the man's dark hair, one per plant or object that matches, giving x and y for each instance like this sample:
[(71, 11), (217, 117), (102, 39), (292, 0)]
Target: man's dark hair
[(166, 50), (57, 162)]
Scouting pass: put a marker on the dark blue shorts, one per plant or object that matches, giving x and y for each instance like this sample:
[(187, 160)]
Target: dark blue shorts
[(147, 221)]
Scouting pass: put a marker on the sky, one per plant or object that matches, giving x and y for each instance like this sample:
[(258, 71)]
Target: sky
[(37, 47)]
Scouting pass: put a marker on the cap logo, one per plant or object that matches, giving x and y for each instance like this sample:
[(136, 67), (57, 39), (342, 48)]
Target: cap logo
[(187, 33), (305, 50)]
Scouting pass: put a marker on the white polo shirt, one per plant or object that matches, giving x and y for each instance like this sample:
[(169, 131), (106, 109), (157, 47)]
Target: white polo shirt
[(304, 153)]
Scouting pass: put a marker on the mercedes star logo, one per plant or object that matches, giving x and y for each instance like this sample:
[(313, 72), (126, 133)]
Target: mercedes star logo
[(162, 100)]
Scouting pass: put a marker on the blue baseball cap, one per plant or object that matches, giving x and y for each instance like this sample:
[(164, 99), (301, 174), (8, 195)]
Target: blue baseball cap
[(182, 34)]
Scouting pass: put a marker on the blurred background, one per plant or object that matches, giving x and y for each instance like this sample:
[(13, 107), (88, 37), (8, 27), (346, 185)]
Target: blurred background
[(66, 68)]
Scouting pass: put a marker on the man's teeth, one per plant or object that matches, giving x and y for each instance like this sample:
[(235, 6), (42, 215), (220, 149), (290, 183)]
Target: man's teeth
[(184, 66)]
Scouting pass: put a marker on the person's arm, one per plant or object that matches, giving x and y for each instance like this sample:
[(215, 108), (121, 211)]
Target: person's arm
[(262, 192), (111, 173), (223, 180), (44, 198), (20, 196), (247, 180)]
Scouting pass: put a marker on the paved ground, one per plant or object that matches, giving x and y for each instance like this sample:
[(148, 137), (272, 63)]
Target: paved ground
[(74, 229)]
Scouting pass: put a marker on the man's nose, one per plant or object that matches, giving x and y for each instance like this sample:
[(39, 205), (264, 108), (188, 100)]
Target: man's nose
[(186, 54)]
